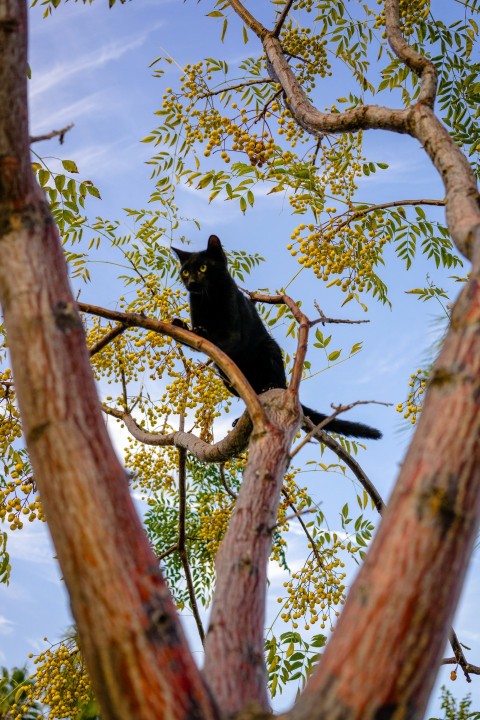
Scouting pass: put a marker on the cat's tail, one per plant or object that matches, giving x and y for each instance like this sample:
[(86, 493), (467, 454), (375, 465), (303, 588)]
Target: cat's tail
[(343, 427)]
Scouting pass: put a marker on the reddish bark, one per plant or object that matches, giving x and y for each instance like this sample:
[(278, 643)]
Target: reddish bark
[(234, 647), (383, 657), (130, 634)]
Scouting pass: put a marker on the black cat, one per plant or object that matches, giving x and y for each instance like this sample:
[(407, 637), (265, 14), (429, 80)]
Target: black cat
[(221, 313)]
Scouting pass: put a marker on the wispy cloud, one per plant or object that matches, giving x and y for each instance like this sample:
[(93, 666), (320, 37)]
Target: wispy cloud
[(6, 625), (44, 115), (44, 81)]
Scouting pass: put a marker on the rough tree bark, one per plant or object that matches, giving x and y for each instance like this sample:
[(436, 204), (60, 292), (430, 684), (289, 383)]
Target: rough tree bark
[(130, 634), (383, 657)]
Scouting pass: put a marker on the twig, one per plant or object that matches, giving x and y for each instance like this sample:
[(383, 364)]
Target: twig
[(304, 527), (182, 545), (460, 657), (283, 16), (166, 553), (302, 344), (337, 411), (55, 133), (225, 484), (236, 86), (280, 300), (469, 668), (296, 515), (341, 453), (360, 212), (107, 338), (323, 319)]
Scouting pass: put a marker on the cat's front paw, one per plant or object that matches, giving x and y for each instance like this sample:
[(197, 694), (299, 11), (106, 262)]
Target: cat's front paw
[(180, 323)]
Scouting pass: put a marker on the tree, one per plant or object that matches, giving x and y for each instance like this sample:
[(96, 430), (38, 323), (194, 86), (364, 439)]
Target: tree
[(382, 659)]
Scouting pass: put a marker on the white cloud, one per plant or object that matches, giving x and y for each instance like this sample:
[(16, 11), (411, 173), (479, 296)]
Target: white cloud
[(31, 545), (6, 626)]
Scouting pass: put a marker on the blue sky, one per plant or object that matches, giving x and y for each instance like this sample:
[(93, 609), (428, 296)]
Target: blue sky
[(90, 67)]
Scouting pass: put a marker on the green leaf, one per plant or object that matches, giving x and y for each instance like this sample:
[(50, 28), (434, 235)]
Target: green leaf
[(334, 355), (70, 166)]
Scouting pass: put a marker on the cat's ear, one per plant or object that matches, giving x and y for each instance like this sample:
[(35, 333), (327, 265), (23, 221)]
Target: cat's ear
[(214, 248), (182, 255)]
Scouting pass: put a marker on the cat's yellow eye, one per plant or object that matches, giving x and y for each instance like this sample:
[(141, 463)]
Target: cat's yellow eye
[(185, 273), (203, 268)]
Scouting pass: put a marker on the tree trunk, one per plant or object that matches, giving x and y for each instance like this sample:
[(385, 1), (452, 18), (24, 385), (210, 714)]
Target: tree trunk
[(129, 631), (384, 654)]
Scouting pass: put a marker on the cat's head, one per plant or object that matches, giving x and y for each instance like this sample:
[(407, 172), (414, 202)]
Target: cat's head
[(200, 269)]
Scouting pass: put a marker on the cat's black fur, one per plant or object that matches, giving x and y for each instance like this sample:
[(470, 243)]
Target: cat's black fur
[(221, 313)]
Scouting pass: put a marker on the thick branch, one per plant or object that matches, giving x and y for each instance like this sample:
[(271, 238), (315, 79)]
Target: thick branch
[(421, 65), (233, 444), (461, 193), (314, 121), (249, 20)]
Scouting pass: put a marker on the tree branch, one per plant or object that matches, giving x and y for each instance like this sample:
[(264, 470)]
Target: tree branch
[(419, 121), (280, 300), (345, 456), (232, 445), (304, 527), (235, 638), (380, 506), (236, 86), (421, 65), (186, 337), (182, 545), (324, 423), (106, 339), (55, 133), (468, 670), (283, 16), (302, 344), (360, 212), (460, 657), (249, 20), (225, 484)]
